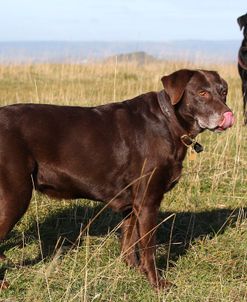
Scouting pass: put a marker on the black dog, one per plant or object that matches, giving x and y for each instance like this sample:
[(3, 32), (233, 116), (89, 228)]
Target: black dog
[(242, 62)]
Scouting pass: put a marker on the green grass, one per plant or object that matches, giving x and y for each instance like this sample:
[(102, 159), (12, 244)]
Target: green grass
[(59, 252)]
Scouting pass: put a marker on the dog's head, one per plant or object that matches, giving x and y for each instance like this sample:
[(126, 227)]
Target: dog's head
[(242, 22), (199, 97)]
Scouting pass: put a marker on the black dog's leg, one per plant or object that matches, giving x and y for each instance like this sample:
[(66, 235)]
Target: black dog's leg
[(244, 90)]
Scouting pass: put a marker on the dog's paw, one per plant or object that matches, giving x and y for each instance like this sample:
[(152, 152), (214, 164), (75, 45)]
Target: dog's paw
[(3, 285), (164, 284), (2, 257)]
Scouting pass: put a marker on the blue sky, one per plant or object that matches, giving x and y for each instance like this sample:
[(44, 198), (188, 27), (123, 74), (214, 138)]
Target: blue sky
[(120, 20)]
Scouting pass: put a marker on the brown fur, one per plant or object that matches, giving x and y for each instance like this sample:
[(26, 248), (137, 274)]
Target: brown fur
[(127, 154)]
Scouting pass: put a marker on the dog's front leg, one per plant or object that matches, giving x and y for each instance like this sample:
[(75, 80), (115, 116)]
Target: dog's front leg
[(244, 90), (129, 238), (147, 219)]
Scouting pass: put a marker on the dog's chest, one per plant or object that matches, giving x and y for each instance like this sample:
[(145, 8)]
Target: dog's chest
[(176, 172)]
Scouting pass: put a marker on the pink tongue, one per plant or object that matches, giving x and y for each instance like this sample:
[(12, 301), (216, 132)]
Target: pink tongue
[(227, 121)]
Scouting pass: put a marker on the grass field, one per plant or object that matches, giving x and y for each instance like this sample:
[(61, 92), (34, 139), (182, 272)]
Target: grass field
[(202, 242)]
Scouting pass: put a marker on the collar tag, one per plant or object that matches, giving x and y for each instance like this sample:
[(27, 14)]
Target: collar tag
[(198, 147), (190, 142), (192, 155)]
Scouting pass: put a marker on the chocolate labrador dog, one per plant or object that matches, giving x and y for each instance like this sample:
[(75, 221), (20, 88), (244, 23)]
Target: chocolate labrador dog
[(242, 62), (125, 154)]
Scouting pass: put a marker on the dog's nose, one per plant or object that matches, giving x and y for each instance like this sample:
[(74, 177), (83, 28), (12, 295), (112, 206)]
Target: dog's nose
[(227, 121)]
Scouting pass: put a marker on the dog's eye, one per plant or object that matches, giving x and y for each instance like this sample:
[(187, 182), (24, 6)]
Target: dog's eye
[(224, 92), (203, 93)]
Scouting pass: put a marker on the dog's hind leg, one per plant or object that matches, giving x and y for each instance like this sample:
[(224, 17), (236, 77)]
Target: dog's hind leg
[(15, 196), (16, 167)]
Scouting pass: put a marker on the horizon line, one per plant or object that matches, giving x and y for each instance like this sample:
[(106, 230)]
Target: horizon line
[(119, 41)]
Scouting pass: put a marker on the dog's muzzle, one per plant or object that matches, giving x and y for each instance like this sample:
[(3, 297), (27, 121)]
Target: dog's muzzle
[(226, 122)]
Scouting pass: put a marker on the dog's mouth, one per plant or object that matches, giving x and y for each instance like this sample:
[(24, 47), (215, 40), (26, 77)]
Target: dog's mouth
[(218, 129), (225, 122)]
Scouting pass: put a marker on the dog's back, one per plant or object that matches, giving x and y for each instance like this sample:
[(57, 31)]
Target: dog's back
[(242, 62)]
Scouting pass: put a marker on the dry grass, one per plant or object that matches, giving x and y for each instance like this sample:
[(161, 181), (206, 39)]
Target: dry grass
[(201, 247)]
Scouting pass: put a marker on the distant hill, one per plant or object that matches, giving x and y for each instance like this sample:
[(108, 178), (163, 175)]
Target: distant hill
[(80, 52), (139, 57)]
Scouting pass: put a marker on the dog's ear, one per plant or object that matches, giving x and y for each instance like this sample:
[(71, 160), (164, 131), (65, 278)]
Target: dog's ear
[(242, 21), (175, 83)]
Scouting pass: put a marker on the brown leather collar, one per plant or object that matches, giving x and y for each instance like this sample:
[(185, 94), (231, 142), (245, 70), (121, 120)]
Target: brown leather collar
[(168, 112), (162, 103)]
